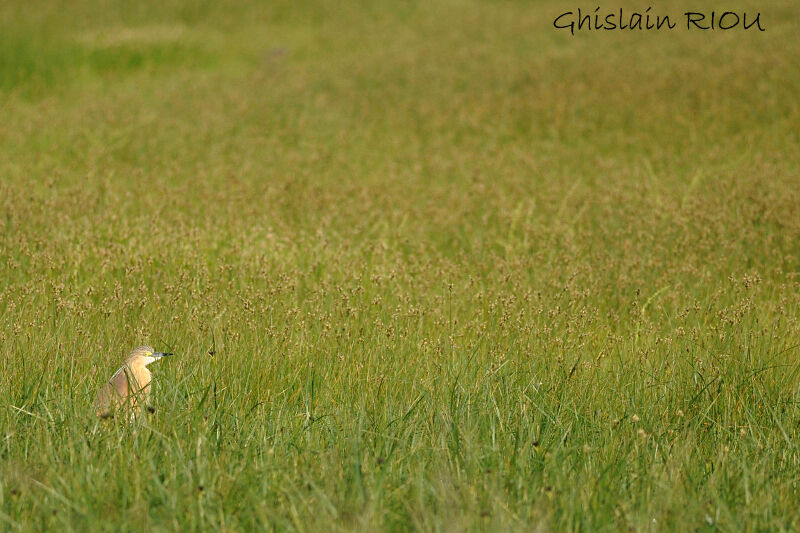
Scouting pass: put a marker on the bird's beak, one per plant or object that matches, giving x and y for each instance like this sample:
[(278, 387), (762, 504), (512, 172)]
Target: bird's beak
[(159, 355)]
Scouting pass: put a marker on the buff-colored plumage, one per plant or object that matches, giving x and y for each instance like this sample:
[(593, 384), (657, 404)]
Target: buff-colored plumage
[(129, 388)]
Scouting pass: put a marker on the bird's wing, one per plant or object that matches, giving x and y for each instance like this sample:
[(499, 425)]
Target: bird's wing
[(107, 399), (112, 394), (120, 382)]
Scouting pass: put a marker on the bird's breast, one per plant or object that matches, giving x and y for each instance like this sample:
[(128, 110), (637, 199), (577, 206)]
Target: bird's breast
[(142, 375)]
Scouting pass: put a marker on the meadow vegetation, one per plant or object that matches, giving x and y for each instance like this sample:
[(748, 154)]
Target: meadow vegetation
[(429, 265)]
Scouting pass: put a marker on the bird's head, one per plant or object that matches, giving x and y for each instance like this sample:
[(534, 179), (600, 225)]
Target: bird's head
[(145, 355)]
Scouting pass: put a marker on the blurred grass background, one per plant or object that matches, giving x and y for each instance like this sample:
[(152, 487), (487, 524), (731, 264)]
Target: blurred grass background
[(458, 270)]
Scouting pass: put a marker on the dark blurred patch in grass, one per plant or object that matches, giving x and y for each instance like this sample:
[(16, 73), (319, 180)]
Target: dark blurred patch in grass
[(32, 64), (126, 57), (24, 59)]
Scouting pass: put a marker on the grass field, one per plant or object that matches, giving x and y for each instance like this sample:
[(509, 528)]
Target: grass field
[(424, 265)]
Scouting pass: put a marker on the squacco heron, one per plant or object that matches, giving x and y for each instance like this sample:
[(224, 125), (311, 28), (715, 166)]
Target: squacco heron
[(129, 388)]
